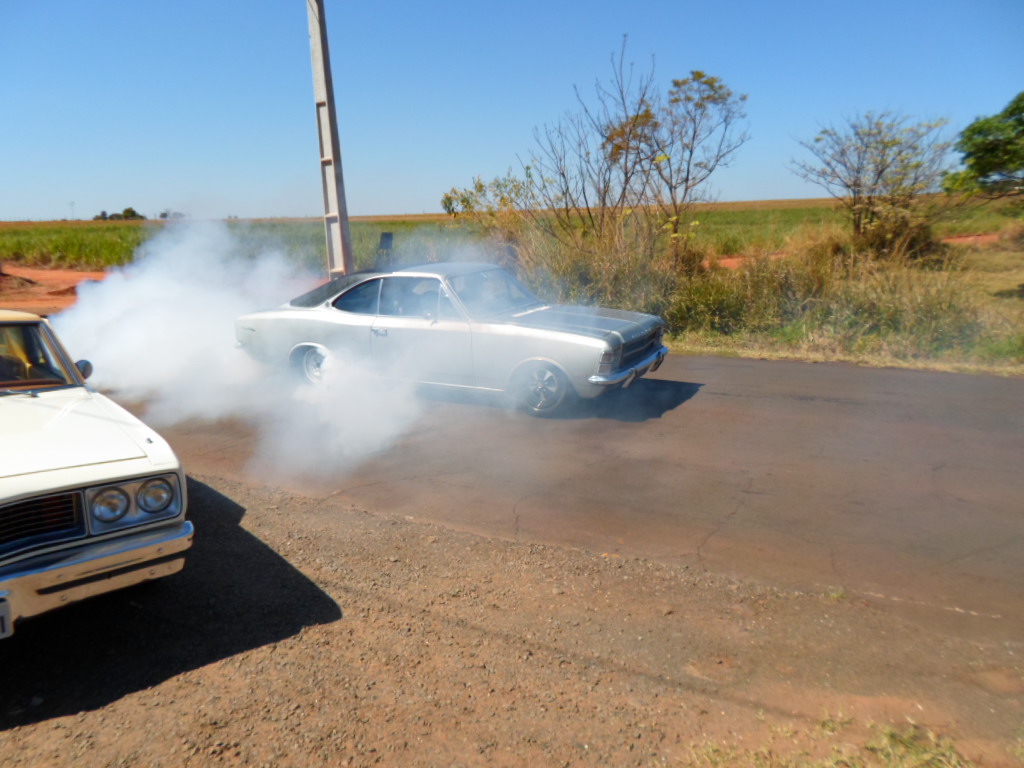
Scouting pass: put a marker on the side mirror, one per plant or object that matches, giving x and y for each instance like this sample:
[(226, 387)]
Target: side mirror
[(85, 368)]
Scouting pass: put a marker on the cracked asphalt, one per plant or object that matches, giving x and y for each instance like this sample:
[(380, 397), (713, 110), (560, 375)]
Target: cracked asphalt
[(904, 486)]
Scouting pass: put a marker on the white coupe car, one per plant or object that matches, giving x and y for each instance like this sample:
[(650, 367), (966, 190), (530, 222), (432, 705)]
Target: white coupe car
[(459, 325), (91, 499)]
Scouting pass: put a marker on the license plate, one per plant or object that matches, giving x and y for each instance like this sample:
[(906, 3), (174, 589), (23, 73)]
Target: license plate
[(6, 626)]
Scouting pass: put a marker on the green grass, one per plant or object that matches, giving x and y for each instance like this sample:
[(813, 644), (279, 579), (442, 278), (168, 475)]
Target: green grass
[(727, 231), (98, 245), (91, 245)]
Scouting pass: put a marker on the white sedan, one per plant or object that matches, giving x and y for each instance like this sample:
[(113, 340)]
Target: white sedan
[(459, 325), (91, 499)]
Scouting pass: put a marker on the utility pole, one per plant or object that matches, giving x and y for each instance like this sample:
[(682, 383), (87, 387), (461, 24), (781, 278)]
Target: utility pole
[(339, 241)]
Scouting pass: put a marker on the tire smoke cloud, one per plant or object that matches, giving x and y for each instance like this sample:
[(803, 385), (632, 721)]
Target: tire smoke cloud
[(160, 332)]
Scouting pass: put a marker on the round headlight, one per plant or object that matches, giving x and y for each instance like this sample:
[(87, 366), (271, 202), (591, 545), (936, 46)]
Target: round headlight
[(110, 505), (155, 496)]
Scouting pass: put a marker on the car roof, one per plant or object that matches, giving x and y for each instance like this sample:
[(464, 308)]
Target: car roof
[(449, 268), (13, 316)]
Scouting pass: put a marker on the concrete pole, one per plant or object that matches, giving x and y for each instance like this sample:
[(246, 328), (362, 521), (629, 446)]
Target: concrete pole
[(339, 241)]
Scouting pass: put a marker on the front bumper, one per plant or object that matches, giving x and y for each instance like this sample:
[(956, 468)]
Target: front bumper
[(627, 376), (45, 582)]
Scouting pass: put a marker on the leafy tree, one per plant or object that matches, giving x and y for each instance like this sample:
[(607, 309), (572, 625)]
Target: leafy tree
[(127, 214), (993, 154), (880, 167)]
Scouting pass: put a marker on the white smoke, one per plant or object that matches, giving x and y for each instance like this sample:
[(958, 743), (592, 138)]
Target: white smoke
[(161, 331)]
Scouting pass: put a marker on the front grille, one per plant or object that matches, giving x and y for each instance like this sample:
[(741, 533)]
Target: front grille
[(639, 348), (44, 520)]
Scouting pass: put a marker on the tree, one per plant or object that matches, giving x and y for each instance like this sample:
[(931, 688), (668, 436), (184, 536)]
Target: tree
[(880, 167), (697, 132), (993, 154), (611, 179)]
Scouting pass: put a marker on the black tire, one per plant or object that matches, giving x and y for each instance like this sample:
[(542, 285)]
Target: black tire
[(540, 389)]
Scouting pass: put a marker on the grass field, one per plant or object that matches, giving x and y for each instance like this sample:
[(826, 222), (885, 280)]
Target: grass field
[(725, 229), (966, 315)]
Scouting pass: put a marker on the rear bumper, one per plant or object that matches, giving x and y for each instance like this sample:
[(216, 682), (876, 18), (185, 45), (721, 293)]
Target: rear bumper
[(627, 376), (45, 582)]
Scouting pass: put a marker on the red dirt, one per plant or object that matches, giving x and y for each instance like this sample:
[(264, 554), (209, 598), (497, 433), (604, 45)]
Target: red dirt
[(41, 291)]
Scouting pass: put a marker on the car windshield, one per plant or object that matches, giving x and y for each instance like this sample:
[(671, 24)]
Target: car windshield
[(29, 359), (492, 292)]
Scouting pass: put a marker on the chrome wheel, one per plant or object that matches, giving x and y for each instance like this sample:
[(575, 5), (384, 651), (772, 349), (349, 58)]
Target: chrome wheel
[(309, 363), (540, 389)]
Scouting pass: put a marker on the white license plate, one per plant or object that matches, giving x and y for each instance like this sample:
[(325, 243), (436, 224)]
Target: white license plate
[(6, 626)]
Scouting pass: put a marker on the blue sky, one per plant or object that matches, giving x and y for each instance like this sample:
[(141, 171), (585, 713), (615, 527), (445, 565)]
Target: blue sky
[(207, 107)]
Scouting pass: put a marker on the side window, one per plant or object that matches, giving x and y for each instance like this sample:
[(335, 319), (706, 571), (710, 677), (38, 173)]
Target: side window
[(361, 300), (410, 297)]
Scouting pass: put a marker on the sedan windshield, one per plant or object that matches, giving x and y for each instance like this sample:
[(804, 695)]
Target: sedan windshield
[(29, 359), (492, 292)]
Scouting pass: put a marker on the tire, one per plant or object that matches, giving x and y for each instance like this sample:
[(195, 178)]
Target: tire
[(540, 389), (308, 364)]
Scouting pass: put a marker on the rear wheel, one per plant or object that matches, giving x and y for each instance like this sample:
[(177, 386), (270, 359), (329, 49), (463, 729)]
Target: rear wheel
[(540, 388), (308, 363)]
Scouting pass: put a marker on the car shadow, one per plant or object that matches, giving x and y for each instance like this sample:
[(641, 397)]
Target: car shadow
[(235, 594), (646, 399)]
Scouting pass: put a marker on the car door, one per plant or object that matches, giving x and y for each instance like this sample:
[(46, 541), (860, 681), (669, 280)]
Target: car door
[(419, 335), (344, 327)]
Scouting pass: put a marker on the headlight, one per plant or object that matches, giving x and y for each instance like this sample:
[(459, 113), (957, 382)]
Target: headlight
[(134, 502), (110, 505), (155, 495)]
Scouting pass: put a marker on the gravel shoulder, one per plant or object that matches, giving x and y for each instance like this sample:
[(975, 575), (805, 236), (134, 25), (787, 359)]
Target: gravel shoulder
[(305, 633)]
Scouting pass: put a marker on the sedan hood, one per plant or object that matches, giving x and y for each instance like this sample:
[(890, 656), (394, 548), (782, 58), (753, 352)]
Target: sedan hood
[(67, 428), (598, 322)]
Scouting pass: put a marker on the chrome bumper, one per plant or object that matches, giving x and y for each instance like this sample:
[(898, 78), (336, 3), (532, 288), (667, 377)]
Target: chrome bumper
[(40, 584), (627, 376)]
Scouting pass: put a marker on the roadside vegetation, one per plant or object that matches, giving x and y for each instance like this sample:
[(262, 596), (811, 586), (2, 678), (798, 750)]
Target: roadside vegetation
[(779, 279)]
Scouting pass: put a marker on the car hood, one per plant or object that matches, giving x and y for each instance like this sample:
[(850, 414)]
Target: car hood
[(68, 428), (597, 322)]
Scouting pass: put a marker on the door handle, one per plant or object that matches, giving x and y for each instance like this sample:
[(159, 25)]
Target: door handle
[(380, 331)]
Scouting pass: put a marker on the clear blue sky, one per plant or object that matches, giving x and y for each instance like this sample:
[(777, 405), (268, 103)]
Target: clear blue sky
[(205, 107)]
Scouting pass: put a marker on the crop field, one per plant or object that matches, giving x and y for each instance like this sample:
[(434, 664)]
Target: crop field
[(788, 290), (725, 229)]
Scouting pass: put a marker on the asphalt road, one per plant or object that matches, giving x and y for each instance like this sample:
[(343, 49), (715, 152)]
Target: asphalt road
[(904, 487)]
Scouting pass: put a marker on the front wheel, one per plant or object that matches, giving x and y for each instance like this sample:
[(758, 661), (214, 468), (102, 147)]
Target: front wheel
[(540, 388)]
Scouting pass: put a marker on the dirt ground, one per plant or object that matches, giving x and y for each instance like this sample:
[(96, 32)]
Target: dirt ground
[(304, 632)]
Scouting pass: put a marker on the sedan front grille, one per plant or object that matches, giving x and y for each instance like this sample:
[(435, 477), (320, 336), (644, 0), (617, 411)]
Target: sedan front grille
[(44, 520), (639, 348)]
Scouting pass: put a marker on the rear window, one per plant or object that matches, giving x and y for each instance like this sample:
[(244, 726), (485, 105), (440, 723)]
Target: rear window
[(328, 290)]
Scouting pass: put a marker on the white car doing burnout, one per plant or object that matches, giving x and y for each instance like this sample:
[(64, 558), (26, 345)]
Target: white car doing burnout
[(91, 499)]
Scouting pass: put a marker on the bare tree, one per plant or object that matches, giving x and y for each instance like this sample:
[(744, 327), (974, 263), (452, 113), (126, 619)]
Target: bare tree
[(590, 169), (610, 183), (629, 166)]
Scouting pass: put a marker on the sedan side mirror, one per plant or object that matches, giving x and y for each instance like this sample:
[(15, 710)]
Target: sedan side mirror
[(85, 368)]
